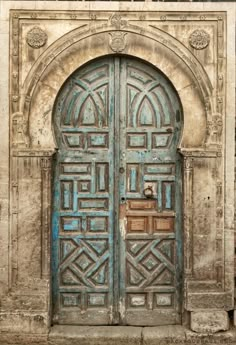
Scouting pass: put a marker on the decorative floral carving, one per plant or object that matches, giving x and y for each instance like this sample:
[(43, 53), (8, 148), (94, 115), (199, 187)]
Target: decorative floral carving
[(36, 37), (117, 21), (19, 127), (45, 163), (118, 41), (214, 130), (188, 163), (199, 39)]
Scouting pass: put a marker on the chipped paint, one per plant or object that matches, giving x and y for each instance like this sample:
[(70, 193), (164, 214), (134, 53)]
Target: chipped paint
[(123, 224), (111, 315), (138, 301), (122, 308)]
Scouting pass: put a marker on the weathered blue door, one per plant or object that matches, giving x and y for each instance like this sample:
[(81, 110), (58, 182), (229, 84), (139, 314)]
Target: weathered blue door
[(117, 197)]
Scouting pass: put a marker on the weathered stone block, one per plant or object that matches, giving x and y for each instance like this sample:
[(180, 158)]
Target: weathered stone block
[(209, 321), (163, 335), (99, 335), (23, 322)]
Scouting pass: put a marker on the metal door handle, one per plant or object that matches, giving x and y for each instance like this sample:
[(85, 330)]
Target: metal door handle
[(148, 192)]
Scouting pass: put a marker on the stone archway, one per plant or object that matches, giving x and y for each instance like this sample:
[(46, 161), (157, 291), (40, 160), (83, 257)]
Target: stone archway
[(202, 145)]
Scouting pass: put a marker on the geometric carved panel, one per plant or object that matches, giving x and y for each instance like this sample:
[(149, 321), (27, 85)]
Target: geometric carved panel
[(163, 300), (70, 299), (136, 224), (98, 140), (71, 224), (75, 168), (152, 265), (168, 195), (137, 140), (133, 178), (74, 140), (163, 224), (136, 300), (159, 177), (93, 204), (161, 140), (97, 224), (84, 263), (159, 169), (67, 195), (97, 300), (102, 177)]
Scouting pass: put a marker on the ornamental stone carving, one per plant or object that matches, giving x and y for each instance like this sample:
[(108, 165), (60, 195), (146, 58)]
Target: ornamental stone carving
[(199, 39), (117, 21), (19, 128), (214, 130), (36, 38), (118, 41)]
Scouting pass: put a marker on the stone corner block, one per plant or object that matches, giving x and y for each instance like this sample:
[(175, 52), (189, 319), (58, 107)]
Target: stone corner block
[(24, 323), (209, 322)]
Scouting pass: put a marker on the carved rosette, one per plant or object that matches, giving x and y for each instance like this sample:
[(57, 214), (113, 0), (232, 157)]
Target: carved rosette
[(36, 37), (199, 39), (117, 21), (118, 41)]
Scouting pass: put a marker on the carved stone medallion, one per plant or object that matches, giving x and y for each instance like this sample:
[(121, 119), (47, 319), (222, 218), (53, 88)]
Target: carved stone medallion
[(199, 39), (36, 37), (118, 41)]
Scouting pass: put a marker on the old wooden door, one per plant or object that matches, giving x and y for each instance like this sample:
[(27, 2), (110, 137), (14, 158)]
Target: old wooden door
[(117, 197)]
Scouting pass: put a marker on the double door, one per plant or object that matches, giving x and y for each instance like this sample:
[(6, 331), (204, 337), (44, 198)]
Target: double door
[(117, 197)]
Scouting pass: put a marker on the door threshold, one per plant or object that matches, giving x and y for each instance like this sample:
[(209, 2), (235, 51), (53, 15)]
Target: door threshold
[(131, 335), (118, 335)]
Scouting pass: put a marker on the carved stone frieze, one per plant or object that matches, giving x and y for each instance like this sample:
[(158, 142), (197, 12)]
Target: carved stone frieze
[(199, 39), (36, 37), (32, 153), (117, 41)]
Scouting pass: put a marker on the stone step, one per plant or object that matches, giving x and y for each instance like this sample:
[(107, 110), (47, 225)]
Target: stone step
[(120, 335)]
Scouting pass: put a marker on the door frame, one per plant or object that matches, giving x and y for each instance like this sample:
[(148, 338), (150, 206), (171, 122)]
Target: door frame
[(203, 153)]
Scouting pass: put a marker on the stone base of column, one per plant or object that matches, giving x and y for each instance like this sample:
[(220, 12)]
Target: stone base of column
[(209, 322)]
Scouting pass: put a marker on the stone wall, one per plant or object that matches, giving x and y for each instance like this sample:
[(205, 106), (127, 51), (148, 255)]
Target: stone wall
[(49, 41)]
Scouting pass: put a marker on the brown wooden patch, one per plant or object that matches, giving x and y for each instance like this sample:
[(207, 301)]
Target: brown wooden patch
[(137, 224), (142, 204), (163, 224)]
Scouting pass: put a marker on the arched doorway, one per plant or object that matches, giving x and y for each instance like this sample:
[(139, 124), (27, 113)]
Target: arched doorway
[(117, 196)]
